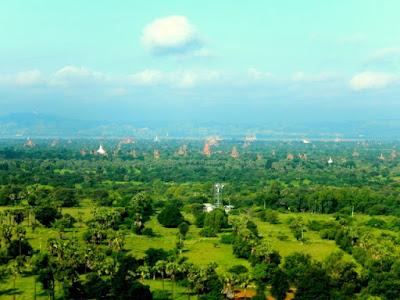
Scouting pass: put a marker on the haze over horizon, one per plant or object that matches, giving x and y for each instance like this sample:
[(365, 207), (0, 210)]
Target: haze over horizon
[(178, 61)]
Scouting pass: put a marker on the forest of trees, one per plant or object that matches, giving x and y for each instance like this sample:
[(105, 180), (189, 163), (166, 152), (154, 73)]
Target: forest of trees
[(83, 206)]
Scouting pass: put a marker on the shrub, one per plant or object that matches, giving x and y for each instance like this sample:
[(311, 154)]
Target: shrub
[(16, 247), (67, 221), (170, 216), (46, 215), (377, 223), (148, 232), (272, 217), (227, 238), (283, 237), (238, 269)]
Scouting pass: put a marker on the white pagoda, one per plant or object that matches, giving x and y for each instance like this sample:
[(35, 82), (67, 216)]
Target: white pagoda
[(101, 150)]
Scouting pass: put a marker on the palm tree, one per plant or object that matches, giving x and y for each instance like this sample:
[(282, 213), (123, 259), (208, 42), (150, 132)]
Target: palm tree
[(245, 281), (160, 268), (193, 276), (171, 269), (229, 281), (144, 272), (186, 268)]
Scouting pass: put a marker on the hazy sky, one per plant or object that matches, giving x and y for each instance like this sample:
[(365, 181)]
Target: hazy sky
[(201, 60)]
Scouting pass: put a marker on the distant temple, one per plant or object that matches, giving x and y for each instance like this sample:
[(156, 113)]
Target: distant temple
[(54, 143), (182, 151), (303, 156), (101, 150), (234, 152), (156, 154), (381, 157), (290, 156), (29, 143), (330, 160), (207, 150)]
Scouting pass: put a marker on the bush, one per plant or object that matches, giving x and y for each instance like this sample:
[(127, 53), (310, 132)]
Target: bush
[(208, 232), (67, 221), (314, 225), (272, 217), (282, 237), (148, 232), (328, 234), (153, 255), (46, 215), (216, 220), (66, 197), (238, 269), (16, 247), (170, 216), (241, 248), (378, 209), (227, 239), (200, 220), (377, 223)]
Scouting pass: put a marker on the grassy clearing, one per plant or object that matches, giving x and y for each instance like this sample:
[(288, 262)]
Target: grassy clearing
[(198, 250)]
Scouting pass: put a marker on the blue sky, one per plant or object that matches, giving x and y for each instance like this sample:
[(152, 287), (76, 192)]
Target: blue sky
[(201, 60)]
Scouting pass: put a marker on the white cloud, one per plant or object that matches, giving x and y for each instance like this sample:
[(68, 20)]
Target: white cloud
[(255, 74), (171, 35), (71, 75), (28, 78), (386, 52), (372, 80), (148, 77), (180, 79), (24, 78), (320, 77)]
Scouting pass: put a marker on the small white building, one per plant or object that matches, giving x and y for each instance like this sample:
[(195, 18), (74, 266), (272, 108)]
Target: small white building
[(208, 207), (228, 208)]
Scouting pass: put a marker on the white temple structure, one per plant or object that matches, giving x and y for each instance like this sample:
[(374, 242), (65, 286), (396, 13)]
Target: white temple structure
[(101, 150)]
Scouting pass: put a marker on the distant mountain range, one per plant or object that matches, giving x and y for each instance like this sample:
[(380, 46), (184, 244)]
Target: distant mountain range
[(23, 125)]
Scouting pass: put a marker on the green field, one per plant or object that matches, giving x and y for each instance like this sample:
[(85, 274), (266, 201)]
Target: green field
[(198, 249)]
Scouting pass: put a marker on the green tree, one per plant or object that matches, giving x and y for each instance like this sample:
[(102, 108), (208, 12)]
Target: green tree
[(170, 216)]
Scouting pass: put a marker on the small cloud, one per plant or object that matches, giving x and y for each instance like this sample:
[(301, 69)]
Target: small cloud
[(24, 78), (29, 78), (76, 75), (386, 52), (180, 79), (372, 80), (172, 35), (259, 75), (303, 77), (385, 58), (148, 77)]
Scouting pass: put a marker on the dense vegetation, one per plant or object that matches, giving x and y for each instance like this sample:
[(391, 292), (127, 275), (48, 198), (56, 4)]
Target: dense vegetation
[(130, 224)]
